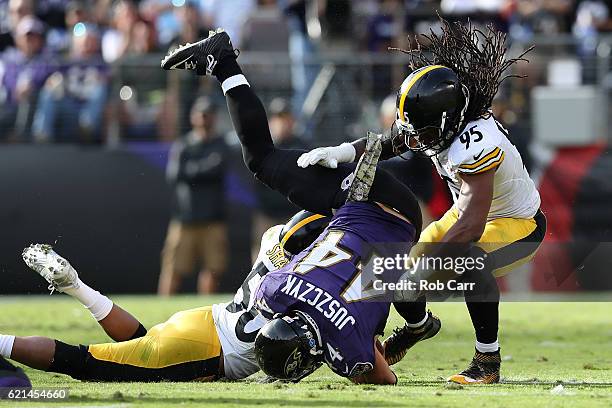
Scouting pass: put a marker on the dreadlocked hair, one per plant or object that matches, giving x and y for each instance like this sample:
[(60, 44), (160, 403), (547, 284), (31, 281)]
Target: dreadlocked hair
[(478, 58)]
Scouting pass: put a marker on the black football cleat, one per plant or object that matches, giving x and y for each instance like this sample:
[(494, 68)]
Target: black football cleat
[(484, 369), (397, 345), (203, 55)]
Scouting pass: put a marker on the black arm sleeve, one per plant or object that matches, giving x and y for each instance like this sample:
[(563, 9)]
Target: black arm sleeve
[(315, 188)]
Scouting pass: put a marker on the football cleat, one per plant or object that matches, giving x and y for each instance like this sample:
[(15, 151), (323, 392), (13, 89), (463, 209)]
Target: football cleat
[(42, 259), (403, 338), (201, 56), (484, 369)]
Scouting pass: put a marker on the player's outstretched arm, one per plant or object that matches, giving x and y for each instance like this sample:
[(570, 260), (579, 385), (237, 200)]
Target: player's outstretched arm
[(314, 188), (381, 374), (330, 156)]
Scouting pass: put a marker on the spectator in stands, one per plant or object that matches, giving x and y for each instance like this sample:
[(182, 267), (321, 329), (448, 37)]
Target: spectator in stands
[(228, 14), (101, 13), (24, 70), (183, 88), (59, 38), (71, 105), (116, 41), (384, 28), (162, 14), (301, 49), (265, 29), (140, 86), (273, 208), (470, 7), (197, 232), (52, 12), (143, 38), (191, 26), (15, 10), (529, 17), (592, 18)]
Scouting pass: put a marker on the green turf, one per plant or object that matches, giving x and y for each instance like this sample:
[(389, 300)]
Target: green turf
[(542, 343)]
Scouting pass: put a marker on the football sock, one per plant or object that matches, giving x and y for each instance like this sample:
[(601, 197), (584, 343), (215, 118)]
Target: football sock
[(141, 331), (226, 68), (251, 124), (419, 324), (233, 81), (98, 304), (485, 318), (487, 347), (68, 359), (414, 313), (482, 302), (6, 345)]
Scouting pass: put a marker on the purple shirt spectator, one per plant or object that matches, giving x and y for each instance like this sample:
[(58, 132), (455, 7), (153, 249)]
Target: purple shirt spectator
[(17, 69), (23, 71), (71, 105)]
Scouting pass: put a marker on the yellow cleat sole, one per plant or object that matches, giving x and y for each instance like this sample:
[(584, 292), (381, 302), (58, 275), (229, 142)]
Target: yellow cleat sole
[(464, 380)]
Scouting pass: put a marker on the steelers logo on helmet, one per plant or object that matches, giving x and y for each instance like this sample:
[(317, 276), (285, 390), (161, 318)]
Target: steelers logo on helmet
[(431, 104)]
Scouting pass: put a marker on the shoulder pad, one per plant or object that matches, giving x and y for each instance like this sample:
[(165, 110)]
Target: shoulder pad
[(477, 149), (270, 251)]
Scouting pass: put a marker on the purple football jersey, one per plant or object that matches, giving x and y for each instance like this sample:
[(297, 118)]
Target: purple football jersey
[(324, 281)]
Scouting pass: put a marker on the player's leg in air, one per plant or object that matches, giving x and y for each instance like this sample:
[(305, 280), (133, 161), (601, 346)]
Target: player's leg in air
[(184, 348), (316, 189), (276, 168)]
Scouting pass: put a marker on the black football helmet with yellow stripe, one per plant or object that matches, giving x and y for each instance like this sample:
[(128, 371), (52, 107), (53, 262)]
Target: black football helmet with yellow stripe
[(431, 104), (301, 231)]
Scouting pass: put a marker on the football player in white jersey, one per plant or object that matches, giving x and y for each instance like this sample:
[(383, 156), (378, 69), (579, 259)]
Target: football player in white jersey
[(444, 112), (205, 343)]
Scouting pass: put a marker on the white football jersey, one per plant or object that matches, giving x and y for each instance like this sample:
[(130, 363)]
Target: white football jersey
[(484, 145), (238, 322)]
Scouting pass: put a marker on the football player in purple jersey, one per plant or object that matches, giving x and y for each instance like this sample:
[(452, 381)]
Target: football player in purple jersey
[(315, 303)]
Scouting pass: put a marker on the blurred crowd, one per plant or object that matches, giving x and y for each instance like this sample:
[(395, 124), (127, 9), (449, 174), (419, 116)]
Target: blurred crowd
[(87, 70)]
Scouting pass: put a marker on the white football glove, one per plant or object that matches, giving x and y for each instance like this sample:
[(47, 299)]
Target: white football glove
[(328, 156)]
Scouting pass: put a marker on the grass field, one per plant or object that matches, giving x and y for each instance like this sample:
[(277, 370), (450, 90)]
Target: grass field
[(542, 344)]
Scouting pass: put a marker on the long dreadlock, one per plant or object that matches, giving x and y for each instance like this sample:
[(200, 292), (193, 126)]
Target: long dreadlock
[(478, 58)]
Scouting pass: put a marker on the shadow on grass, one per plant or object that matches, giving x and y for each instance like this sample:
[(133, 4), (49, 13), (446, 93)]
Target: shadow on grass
[(313, 401)]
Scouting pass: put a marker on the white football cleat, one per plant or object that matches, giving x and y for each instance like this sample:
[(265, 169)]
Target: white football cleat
[(42, 259)]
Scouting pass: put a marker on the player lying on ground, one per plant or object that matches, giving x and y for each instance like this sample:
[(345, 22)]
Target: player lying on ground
[(444, 112), (203, 343), (320, 319)]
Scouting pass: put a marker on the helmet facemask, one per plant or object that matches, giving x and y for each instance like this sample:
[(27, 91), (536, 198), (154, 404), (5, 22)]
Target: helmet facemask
[(432, 139)]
